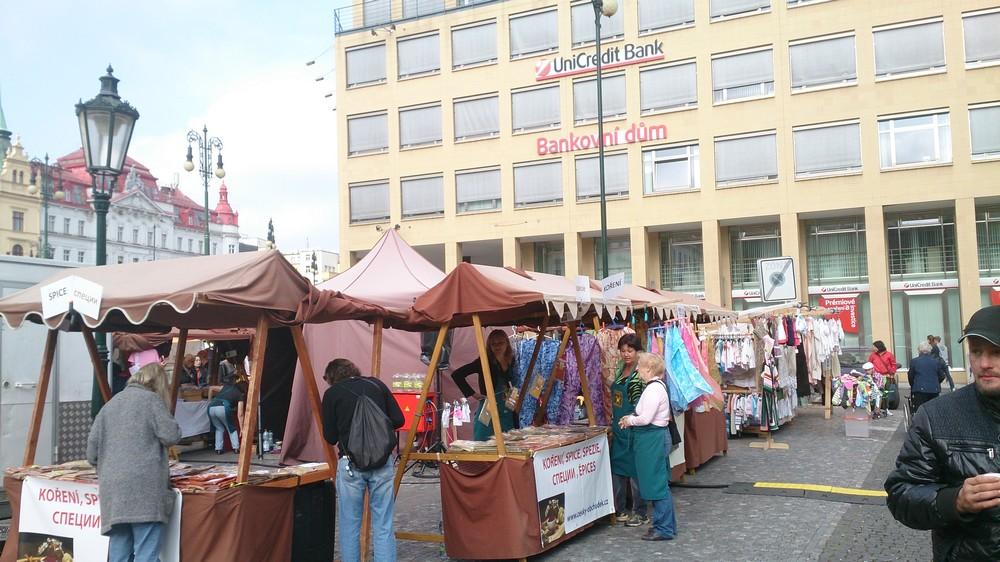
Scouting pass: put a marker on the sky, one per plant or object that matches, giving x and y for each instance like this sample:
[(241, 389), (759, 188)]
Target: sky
[(238, 67)]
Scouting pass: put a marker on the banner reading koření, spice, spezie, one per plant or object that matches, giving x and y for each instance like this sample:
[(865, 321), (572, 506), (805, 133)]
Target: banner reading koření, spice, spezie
[(572, 486)]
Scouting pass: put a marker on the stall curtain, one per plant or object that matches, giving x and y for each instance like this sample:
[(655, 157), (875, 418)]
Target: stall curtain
[(543, 366), (590, 350)]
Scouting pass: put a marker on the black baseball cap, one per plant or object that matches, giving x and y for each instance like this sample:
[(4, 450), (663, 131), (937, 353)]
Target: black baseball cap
[(985, 323)]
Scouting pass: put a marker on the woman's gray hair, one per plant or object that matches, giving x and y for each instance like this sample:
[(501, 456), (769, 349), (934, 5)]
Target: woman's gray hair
[(153, 377), (923, 348)]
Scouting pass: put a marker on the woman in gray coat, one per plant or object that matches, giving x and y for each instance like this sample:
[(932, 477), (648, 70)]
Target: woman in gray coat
[(128, 447)]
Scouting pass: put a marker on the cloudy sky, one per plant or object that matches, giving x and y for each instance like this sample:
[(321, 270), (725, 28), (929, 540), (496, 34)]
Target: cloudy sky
[(236, 66)]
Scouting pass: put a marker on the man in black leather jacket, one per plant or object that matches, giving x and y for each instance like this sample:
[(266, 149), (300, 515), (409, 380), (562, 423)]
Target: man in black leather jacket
[(946, 478)]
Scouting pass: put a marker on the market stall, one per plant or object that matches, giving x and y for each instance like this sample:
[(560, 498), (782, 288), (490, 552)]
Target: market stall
[(252, 290)]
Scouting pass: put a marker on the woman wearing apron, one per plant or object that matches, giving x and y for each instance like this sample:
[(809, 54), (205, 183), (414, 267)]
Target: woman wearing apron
[(649, 435), (625, 390), (501, 359)]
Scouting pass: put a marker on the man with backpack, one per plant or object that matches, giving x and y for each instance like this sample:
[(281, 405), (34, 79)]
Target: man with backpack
[(360, 417)]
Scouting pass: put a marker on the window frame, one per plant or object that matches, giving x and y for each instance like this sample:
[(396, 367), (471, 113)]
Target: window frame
[(422, 215), (482, 136), (977, 64), (694, 168), (665, 66), (498, 202), (937, 138), (475, 64), (400, 43), (425, 144), (749, 181), (551, 125), (743, 52), (347, 65), (367, 152), (986, 156), (653, 30), (580, 44), (910, 73), (613, 117), (736, 15), (853, 171), (542, 203), (608, 195), (388, 200), (820, 39), (522, 15)]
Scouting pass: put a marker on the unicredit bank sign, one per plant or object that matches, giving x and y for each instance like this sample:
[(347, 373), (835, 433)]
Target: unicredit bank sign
[(584, 63)]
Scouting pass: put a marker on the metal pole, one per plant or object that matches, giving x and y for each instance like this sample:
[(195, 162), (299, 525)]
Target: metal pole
[(206, 170), (600, 143), (46, 193), (102, 202)]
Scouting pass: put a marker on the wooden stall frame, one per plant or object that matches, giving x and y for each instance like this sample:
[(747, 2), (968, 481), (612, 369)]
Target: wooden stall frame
[(175, 383), (253, 399), (40, 392), (100, 369), (529, 373), (543, 397)]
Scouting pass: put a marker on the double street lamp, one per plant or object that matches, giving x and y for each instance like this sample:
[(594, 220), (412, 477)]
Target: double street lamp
[(206, 146), (606, 8), (106, 125), (50, 174)]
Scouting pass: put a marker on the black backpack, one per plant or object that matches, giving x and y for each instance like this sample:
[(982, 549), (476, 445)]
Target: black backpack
[(372, 437)]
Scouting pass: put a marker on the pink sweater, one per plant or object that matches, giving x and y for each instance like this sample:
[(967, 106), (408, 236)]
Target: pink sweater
[(653, 407)]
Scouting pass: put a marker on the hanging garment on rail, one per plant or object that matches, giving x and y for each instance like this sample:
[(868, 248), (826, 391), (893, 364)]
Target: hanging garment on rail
[(590, 350)]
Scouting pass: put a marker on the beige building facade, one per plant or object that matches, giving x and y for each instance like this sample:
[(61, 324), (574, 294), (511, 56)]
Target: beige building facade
[(19, 210), (861, 139)]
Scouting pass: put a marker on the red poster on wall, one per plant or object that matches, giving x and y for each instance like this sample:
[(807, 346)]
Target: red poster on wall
[(995, 297), (846, 307)]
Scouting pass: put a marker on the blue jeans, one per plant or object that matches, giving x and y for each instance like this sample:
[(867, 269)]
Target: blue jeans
[(217, 415), (135, 542), (351, 486), (664, 518)]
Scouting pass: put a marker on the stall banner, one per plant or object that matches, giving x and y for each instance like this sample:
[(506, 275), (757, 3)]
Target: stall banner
[(572, 486), (994, 297), (65, 517), (846, 308)]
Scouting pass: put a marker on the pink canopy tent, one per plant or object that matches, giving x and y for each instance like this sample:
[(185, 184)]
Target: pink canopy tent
[(394, 275)]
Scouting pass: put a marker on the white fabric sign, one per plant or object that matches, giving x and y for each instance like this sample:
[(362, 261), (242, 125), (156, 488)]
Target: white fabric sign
[(67, 516), (582, 288), (84, 295), (573, 486), (613, 285)]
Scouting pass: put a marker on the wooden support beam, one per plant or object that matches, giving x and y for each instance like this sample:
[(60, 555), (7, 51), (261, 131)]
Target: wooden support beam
[(491, 398), (100, 371), (529, 374), (584, 383), (419, 537), (431, 372), (543, 398), (253, 399), (377, 348), (182, 339), (48, 356), (313, 391)]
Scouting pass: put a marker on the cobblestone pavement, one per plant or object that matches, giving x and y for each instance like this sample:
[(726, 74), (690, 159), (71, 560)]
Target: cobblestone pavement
[(714, 526)]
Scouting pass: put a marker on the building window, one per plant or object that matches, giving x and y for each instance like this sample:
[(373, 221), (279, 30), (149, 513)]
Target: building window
[(550, 257), (420, 126), (668, 87), (215, 248), (16, 250), (988, 239), (913, 48), (921, 139), (726, 8), (201, 247), (418, 55), (417, 8), (747, 244), (79, 228), (66, 222), (836, 253), (535, 109), (190, 246), (655, 15), (17, 221), (534, 33), (180, 243), (982, 42), (51, 223), (150, 239), (922, 246), (163, 240), (369, 202), (65, 255), (376, 12), (588, 178), (366, 65), (682, 264), (477, 190), (750, 159), (742, 76), (477, 118), (121, 259), (984, 123), (538, 182), (232, 248), (823, 62), (827, 149), (80, 255), (422, 196), (475, 44), (135, 235), (367, 134), (585, 98), (121, 233), (619, 256), (582, 21), (670, 169), (135, 260)]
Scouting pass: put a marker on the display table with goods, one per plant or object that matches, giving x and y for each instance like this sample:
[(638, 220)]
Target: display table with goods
[(226, 510)]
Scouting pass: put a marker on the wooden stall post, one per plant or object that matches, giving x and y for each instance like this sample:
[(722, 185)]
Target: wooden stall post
[(543, 398), (314, 398), (182, 339), (491, 398), (528, 375), (253, 399), (584, 383), (40, 391), (366, 512), (377, 348), (431, 372), (100, 371)]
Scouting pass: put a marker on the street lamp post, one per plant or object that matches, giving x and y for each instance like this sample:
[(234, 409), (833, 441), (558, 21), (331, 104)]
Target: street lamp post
[(106, 126), (206, 146), (606, 8), (49, 173)]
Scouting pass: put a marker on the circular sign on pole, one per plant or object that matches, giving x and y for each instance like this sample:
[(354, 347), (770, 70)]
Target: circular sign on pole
[(777, 279)]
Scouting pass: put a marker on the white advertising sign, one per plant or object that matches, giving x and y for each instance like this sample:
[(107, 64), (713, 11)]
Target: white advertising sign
[(582, 288), (613, 285), (84, 295), (989, 281), (838, 289), (64, 518), (573, 486), (929, 284), (777, 279)]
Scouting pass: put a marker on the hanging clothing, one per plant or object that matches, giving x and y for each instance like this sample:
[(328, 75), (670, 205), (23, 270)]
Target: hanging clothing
[(544, 366), (590, 352)]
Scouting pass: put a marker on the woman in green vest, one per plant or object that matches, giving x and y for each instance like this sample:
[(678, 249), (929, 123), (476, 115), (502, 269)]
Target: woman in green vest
[(501, 360), (649, 447), (625, 390)]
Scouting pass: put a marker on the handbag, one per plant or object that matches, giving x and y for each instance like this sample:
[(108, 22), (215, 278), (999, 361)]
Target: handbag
[(892, 394)]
